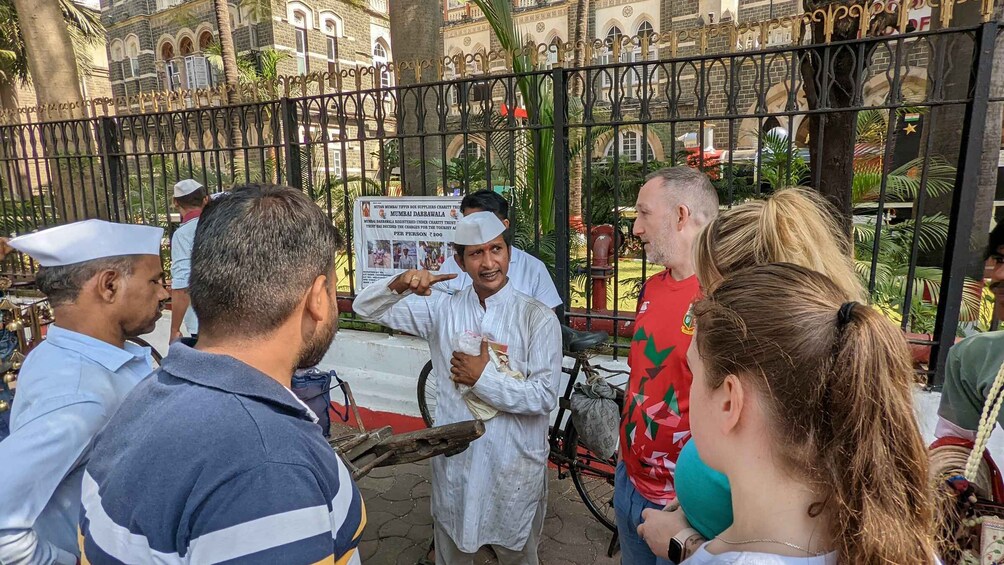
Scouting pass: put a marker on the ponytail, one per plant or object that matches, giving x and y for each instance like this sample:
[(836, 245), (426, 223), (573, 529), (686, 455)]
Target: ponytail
[(794, 225), (837, 383), (876, 460)]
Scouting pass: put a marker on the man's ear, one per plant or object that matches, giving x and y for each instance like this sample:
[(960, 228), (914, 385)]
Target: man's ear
[(109, 285), (460, 261), (318, 303), (682, 216)]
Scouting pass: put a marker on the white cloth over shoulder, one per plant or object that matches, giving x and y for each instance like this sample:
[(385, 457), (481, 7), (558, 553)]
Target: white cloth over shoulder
[(703, 557), (489, 493), (527, 274)]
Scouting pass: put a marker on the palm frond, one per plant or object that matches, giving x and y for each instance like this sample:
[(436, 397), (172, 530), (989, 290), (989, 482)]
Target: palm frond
[(905, 181), (84, 20), (258, 10)]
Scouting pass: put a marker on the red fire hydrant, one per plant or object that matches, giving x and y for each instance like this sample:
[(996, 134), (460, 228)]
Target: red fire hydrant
[(604, 250)]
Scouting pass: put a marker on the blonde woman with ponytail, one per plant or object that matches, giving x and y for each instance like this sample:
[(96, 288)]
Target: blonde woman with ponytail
[(794, 225), (803, 400)]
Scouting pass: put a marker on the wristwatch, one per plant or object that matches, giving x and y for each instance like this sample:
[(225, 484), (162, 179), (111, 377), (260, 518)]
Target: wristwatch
[(678, 545)]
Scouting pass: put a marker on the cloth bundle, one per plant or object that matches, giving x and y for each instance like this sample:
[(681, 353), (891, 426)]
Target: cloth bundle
[(469, 343), (596, 417)]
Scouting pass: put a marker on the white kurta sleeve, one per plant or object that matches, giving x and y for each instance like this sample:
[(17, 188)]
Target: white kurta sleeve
[(37, 456), (406, 312), (538, 394)]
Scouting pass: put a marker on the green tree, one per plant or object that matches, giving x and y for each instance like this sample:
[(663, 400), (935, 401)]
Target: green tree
[(55, 74)]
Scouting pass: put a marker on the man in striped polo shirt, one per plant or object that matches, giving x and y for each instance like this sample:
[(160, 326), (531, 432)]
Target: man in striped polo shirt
[(213, 459)]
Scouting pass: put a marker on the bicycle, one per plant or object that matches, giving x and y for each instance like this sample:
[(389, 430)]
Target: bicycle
[(592, 475)]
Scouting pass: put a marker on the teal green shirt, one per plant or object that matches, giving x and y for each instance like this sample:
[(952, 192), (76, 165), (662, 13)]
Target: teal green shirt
[(705, 495), (972, 367)]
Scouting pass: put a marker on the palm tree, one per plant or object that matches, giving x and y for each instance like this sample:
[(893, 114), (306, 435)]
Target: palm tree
[(229, 55), (890, 252), (408, 46), (538, 95), (579, 39), (54, 71)]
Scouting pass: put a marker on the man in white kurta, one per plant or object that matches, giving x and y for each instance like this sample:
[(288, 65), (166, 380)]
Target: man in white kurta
[(494, 493)]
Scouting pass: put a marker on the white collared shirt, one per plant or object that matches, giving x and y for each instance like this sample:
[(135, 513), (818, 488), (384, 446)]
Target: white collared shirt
[(68, 388)]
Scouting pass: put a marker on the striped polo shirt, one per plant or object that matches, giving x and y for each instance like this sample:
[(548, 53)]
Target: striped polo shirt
[(211, 461)]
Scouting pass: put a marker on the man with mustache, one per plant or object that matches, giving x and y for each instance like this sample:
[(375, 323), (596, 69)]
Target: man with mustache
[(105, 284), (974, 362), (494, 493), (528, 274), (213, 458)]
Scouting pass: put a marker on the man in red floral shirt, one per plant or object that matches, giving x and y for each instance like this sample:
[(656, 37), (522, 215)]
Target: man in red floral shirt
[(673, 205)]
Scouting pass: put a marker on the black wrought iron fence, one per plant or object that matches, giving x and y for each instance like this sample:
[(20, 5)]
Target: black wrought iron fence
[(570, 147)]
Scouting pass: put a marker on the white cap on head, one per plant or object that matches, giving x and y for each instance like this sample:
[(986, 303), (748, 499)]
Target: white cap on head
[(478, 228), (186, 187), (88, 240)]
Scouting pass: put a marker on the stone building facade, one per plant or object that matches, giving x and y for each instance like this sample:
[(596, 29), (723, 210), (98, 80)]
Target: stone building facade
[(466, 33), (156, 45), (164, 45)]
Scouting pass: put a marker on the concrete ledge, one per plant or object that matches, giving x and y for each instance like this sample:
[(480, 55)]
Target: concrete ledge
[(381, 369)]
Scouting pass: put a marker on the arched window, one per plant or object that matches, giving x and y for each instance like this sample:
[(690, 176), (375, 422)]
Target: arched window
[(130, 66), (300, 23), (171, 77), (116, 50), (380, 60), (332, 27), (553, 45), (629, 147), (471, 151), (205, 40), (645, 29), (185, 46), (614, 35), (632, 76)]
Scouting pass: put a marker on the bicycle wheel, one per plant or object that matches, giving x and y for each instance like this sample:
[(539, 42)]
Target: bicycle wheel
[(157, 358), (427, 395), (593, 478)]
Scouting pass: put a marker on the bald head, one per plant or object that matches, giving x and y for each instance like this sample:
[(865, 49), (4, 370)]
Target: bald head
[(688, 187)]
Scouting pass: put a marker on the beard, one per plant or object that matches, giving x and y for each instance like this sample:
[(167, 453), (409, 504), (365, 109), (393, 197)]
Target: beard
[(313, 351)]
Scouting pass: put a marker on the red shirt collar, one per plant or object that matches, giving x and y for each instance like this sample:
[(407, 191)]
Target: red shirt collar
[(185, 218)]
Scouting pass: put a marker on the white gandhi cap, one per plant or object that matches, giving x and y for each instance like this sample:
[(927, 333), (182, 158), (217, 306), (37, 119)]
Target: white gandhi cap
[(478, 228), (88, 240), (186, 187)]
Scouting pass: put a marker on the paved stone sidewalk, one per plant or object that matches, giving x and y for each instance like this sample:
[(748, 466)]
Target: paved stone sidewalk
[(399, 526)]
